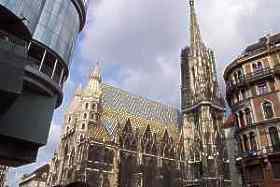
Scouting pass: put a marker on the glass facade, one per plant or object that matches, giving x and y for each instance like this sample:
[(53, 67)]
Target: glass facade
[(58, 27), (53, 23), (28, 9)]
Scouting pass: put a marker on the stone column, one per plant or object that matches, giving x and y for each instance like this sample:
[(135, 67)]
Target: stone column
[(115, 176)]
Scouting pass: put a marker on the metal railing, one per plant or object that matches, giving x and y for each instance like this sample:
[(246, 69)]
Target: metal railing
[(250, 77), (253, 153)]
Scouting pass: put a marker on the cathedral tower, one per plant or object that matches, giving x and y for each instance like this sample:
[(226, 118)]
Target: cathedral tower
[(203, 110)]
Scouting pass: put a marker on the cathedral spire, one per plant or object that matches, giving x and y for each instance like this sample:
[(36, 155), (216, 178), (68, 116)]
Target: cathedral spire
[(94, 83), (196, 39)]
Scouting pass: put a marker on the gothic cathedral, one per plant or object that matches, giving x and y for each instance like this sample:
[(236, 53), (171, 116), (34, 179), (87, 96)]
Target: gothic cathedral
[(113, 138)]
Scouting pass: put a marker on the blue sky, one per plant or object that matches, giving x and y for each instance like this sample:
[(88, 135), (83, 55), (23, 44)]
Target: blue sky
[(139, 41)]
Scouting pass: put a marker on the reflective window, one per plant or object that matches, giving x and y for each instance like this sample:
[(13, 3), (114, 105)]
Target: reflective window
[(54, 23), (58, 27), (29, 10)]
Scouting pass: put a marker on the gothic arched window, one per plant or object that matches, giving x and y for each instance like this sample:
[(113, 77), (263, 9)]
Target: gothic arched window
[(274, 138), (248, 116), (69, 119), (83, 126), (253, 141), (86, 105), (268, 110)]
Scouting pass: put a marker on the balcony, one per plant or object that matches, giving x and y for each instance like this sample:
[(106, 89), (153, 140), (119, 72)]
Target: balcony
[(269, 150), (249, 78)]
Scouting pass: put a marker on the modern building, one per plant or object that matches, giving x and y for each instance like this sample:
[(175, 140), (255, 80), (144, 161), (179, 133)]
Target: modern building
[(114, 138), (37, 178), (37, 39), (253, 94)]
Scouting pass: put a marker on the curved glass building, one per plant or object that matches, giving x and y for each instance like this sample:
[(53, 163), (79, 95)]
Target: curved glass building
[(37, 39)]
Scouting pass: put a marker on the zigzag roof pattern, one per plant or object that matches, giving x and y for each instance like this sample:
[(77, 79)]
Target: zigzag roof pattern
[(119, 105)]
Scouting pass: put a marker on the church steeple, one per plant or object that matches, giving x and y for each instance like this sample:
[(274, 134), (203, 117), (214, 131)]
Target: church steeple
[(202, 112), (95, 80), (96, 74), (198, 73), (196, 39)]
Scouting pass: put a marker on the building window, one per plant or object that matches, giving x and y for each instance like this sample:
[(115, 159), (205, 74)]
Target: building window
[(248, 116), (268, 110), (241, 117), (240, 75), (69, 119), (81, 137), (85, 116), (274, 138), (262, 88), (236, 120), (235, 77), (253, 141), (93, 106), (91, 116), (86, 105), (263, 137), (257, 67), (243, 93), (276, 170), (83, 126), (246, 143)]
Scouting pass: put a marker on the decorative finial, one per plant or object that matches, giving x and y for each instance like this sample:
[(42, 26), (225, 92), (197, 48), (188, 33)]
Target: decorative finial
[(79, 90), (191, 3), (96, 74)]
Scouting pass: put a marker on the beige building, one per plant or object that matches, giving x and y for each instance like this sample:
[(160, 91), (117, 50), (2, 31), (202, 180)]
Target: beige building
[(253, 94)]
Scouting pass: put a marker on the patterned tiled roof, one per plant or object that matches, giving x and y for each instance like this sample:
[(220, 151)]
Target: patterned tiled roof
[(119, 105)]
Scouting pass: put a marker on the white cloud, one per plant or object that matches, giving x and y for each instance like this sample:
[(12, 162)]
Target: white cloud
[(139, 42)]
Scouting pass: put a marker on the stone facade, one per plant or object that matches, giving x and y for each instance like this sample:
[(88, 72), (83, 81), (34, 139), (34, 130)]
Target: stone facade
[(38, 178), (253, 94)]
